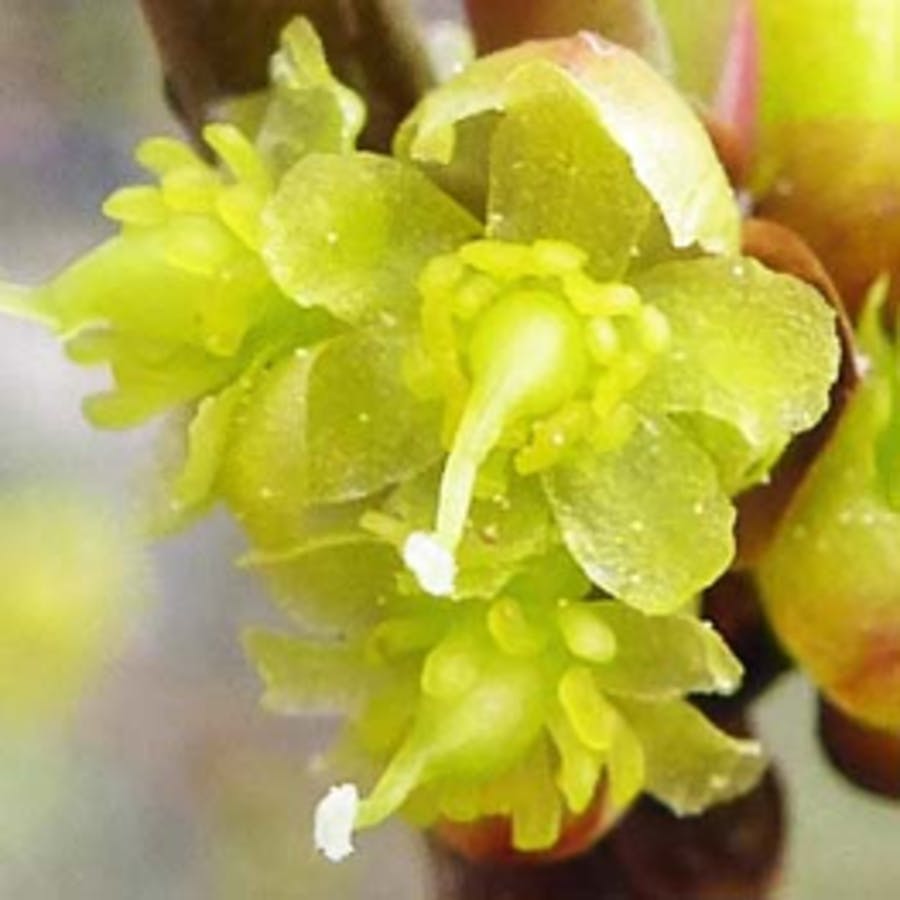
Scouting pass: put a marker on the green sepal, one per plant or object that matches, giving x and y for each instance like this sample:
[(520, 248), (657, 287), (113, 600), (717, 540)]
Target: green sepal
[(351, 234), (555, 171), (647, 522), (739, 464), (335, 581), (303, 676), (150, 377), (664, 657), (144, 285), (191, 487), (308, 109), (689, 763), (326, 425), (686, 182), (751, 348)]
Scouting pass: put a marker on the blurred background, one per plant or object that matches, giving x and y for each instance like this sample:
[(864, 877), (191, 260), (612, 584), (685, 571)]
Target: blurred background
[(154, 774)]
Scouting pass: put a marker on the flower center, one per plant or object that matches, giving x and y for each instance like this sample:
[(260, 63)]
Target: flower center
[(530, 353)]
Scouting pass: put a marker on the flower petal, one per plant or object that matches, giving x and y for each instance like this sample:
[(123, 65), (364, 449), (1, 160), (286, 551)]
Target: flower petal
[(647, 522), (351, 234), (302, 675), (690, 764), (669, 152), (328, 425), (309, 110), (756, 350), (557, 173), (664, 657)]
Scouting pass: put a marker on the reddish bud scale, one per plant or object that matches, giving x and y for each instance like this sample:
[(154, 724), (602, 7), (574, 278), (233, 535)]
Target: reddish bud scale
[(490, 840), (732, 851)]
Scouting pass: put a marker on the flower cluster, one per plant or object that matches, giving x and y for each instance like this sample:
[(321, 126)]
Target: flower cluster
[(480, 406)]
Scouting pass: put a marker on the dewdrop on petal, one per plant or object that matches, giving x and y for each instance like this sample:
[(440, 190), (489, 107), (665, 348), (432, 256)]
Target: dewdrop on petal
[(334, 821), (431, 562)]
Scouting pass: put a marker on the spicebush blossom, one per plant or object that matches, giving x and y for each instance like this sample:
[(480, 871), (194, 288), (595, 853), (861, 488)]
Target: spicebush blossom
[(519, 364)]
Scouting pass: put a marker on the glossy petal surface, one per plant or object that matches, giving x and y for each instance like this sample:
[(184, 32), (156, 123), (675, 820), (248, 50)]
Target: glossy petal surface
[(647, 522)]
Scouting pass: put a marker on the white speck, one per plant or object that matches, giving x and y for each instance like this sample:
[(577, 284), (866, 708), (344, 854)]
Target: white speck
[(491, 533), (738, 270), (335, 817), (637, 526), (723, 684), (718, 783), (863, 363), (699, 508), (634, 251), (431, 562), (332, 237), (281, 69), (784, 187), (558, 439), (364, 418)]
